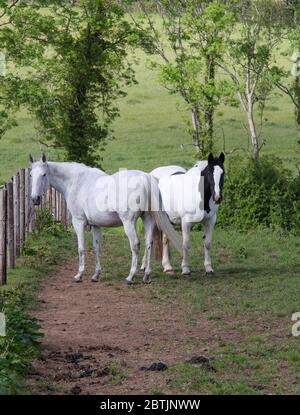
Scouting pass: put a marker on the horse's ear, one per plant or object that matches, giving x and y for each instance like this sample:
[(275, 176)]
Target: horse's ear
[(222, 157), (44, 158), (31, 159), (210, 158)]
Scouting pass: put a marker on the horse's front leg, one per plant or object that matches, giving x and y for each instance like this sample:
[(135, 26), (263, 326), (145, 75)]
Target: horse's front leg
[(208, 231), (186, 229), (79, 225), (130, 230), (96, 231)]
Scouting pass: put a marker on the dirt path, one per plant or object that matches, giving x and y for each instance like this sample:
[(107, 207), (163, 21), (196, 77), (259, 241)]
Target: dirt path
[(98, 336)]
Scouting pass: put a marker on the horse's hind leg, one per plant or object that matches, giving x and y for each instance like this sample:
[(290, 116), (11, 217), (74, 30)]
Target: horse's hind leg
[(149, 224), (144, 260), (166, 255), (96, 246), (79, 225), (129, 228)]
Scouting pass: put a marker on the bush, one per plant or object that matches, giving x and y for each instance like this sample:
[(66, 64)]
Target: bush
[(21, 343), (261, 193), (46, 223)]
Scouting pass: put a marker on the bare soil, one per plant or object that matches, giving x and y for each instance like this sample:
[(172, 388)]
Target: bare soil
[(98, 336)]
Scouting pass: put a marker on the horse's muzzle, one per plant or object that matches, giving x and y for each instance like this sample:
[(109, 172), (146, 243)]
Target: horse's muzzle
[(36, 200)]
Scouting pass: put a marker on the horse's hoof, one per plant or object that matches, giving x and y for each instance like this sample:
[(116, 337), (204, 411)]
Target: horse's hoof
[(147, 280), (77, 280), (126, 282), (186, 272), (169, 272), (209, 270), (95, 278), (143, 269)]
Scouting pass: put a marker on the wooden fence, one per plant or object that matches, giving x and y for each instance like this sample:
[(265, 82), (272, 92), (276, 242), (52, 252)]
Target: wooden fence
[(17, 217)]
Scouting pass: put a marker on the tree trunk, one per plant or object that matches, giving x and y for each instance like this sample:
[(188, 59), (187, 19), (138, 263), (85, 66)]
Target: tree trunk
[(297, 107), (252, 129), (209, 114), (197, 127)]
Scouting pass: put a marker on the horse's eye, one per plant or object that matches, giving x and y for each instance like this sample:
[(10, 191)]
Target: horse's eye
[(44, 174)]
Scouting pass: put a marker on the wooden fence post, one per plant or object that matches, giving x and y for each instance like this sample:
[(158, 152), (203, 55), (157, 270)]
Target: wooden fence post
[(22, 206), (50, 199), (10, 225), (56, 204), (16, 185), (3, 218), (65, 213), (53, 202), (30, 215), (27, 201)]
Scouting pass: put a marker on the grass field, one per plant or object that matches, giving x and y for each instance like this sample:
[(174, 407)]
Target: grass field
[(249, 302), (151, 129)]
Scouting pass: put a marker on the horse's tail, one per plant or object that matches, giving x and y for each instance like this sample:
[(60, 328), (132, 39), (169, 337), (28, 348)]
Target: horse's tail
[(161, 218), (158, 244)]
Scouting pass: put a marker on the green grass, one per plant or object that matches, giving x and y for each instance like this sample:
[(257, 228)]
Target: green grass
[(41, 253), (246, 310)]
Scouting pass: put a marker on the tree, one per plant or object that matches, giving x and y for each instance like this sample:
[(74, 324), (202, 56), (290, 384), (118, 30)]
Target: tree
[(76, 52), (290, 85), (189, 37), (250, 60)]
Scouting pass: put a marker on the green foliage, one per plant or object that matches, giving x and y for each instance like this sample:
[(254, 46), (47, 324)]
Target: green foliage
[(37, 248), (21, 343), (261, 193), (46, 223)]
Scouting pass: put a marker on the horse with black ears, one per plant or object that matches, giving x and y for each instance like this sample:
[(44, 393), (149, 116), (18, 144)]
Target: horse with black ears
[(177, 185)]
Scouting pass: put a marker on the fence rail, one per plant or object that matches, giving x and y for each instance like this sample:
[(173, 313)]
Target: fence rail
[(17, 217)]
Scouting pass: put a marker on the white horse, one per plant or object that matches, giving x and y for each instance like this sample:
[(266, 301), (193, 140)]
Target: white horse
[(181, 188), (95, 198)]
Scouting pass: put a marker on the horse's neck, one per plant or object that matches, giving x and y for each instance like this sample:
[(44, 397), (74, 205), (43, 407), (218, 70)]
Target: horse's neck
[(62, 176)]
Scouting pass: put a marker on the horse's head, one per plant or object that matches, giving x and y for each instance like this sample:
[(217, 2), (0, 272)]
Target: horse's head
[(39, 178), (214, 176)]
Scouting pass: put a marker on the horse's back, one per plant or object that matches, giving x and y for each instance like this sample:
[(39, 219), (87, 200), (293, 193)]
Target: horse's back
[(160, 172)]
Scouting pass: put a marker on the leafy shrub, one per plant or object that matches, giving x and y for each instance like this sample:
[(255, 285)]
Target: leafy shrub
[(262, 193), (46, 223), (21, 343)]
